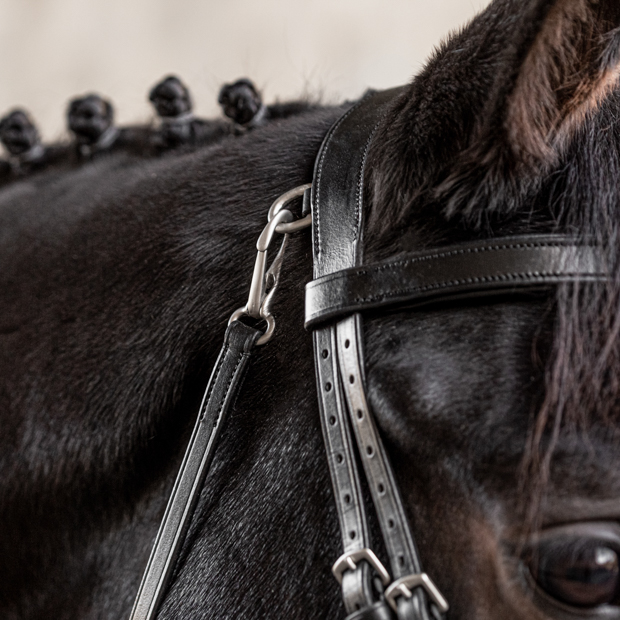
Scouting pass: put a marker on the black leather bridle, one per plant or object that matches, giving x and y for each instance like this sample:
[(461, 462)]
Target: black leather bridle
[(343, 288)]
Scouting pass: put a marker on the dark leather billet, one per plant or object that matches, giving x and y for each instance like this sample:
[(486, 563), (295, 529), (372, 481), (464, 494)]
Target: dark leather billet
[(224, 384), (498, 264)]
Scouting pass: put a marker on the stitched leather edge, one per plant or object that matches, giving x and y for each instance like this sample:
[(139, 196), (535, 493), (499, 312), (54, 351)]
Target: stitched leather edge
[(587, 265)]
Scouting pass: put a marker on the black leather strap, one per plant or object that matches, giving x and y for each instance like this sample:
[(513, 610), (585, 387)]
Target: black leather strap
[(336, 226), (378, 611), (224, 384), (356, 585), (395, 529), (337, 186), (463, 270), (337, 235)]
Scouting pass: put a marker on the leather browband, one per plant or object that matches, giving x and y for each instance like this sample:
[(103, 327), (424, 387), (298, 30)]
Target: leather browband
[(497, 265)]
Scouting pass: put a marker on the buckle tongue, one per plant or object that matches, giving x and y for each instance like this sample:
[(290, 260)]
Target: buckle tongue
[(348, 561), (404, 585)]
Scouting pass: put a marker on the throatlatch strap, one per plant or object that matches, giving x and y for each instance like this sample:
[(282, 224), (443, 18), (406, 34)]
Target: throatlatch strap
[(225, 381)]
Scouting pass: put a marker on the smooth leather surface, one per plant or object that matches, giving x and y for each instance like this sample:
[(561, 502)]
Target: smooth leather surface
[(337, 214), (224, 384), (338, 219), (378, 611), (336, 224), (499, 264)]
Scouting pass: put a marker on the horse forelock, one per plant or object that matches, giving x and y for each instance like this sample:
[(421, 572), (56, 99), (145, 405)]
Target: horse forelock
[(582, 375)]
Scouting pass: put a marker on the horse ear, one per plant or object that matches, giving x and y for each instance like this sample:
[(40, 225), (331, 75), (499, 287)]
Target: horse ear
[(570, 67), (562, 63)]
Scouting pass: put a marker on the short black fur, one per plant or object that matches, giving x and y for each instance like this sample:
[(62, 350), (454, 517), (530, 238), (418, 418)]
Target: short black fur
[(118, 278)]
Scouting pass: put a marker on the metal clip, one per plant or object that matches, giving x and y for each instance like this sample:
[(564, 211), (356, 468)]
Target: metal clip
[(404, 585), (265, 281), (348, 561)]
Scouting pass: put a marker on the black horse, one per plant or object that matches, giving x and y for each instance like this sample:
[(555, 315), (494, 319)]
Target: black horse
[(500, 416)]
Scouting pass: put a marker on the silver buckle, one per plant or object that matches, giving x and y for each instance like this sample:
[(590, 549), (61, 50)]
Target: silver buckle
[(348, 561), (404, 585)]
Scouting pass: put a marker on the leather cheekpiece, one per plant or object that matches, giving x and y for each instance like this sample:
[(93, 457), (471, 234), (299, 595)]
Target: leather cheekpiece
[(337, 225)]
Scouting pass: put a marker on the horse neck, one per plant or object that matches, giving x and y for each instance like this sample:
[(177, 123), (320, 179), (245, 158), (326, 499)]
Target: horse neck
[(126, 288)]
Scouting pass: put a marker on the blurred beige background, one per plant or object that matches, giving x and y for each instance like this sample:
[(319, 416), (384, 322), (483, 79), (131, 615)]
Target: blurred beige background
[(51, 50)]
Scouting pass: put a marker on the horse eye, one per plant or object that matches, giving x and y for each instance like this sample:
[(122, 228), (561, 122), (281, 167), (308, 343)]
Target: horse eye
[(578, 572)]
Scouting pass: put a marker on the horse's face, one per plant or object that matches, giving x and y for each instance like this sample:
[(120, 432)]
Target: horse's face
[(499, 415), (454, 390)]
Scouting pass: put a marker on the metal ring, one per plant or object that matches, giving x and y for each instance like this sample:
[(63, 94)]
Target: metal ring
[(279, 204), (237, 314), (286, 228), (271, 328), (284, 216), (271, 324)]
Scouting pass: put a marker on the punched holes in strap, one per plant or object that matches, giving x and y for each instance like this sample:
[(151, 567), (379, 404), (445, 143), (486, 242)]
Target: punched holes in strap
[(356, 582), (401, 549)]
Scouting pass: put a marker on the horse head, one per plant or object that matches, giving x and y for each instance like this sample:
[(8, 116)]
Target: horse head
[(510, 405), (498, 413)]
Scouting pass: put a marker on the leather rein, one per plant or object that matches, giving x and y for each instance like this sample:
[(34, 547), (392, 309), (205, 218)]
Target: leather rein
[(342, 289)]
